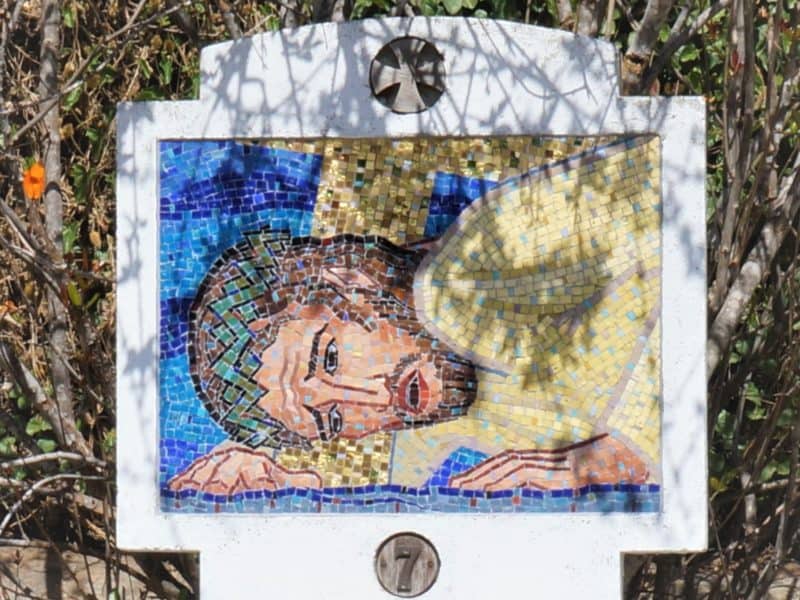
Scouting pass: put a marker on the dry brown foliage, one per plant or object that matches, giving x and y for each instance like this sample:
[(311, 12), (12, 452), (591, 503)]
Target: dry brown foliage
[(65, 65)]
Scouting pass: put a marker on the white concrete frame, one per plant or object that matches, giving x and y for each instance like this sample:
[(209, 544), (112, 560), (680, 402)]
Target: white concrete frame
[(502, 78)]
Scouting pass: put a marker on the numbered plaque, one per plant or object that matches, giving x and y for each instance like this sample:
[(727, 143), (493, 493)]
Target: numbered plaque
[(411, 307)]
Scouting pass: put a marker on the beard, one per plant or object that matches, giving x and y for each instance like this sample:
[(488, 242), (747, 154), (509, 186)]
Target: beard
[(457, 375)]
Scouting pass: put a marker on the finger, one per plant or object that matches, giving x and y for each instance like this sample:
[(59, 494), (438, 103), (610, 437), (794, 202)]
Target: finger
[(503, 461), (537, 478), (480, 470), (192, 477), (514, 474), (305, 479)]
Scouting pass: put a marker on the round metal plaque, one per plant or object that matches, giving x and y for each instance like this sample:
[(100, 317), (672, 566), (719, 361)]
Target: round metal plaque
[(407, 75), (406, 565)]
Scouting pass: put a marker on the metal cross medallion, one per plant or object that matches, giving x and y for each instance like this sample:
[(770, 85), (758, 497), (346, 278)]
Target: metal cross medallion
[(407, 75)]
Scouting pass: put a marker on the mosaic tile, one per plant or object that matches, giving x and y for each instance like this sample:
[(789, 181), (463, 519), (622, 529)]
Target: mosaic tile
[(427, 324)]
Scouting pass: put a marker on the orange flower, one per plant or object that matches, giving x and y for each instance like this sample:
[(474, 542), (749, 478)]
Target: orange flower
[(33, 181)]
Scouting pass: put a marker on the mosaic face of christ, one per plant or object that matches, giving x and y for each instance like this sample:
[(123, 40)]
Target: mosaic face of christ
[(328, 377), (295, 340)]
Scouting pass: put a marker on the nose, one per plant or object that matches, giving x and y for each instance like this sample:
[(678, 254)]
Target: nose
[(358, 390)]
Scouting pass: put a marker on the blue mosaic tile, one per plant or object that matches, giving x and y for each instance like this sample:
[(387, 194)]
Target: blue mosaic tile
[(239, 209)]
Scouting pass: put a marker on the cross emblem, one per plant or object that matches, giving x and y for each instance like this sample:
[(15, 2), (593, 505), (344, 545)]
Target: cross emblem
[(407, 75)]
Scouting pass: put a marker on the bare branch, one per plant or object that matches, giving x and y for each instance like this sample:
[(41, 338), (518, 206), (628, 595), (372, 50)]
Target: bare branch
[(566, 18), (402, 8), (588, 17), (183, 20), (738, 126), (17, 543), (65, 430), (29, 461), (782, 539), (644, 40), (330, 10), (291, 13), (229, 19), (38, 485), (678, 39), (54, 211), (36, 261), (7, 482), (608, 26), (5, 35), (18, 227), (76, 79), (754, 269)]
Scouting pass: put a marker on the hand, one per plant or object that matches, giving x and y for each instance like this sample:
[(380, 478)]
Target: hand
[(600, 460), (231, 468)]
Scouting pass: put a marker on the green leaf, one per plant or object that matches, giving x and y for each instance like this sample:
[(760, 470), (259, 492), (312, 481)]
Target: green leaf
[(768, 471), (110, 441), (787, 417), (68, 17), (725, 423), (46, 445), (74, 294), (146, 70), (756, 411), (150, 94), (428, 8), (742, 347), (93, 134), (752, 393), (8, 445), (80, 182), (470, 4), (71, 99), (36, 424), (688, 54), (716, 463), (695, 78), (70, 236), (165, 68), (480, 14), (452, 6), (93, 300)]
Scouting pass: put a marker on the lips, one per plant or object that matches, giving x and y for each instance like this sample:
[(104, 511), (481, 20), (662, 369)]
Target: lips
[(413, 392)]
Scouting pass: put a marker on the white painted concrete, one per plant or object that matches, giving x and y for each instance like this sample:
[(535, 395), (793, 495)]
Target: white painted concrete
[(501, 78)]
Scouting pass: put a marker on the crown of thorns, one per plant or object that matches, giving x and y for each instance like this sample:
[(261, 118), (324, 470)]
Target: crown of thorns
[(256, 280)]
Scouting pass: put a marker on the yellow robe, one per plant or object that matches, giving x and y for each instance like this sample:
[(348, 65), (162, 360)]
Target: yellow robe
[(550, 283)]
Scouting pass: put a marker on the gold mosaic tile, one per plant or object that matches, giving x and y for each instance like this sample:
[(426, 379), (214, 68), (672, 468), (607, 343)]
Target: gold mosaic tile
[(536, 277)]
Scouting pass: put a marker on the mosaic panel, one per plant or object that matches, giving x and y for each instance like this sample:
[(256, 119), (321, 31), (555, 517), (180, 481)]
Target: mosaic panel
[(426, 324)]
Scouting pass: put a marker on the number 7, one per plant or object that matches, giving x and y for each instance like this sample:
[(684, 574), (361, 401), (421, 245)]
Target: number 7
[(408, 550)]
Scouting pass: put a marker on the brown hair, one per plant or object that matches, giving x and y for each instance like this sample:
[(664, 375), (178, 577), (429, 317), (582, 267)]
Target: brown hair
[(257, 279)]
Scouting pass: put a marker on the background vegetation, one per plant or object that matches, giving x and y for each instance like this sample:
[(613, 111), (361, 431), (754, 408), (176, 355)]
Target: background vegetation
[(64, 65)]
